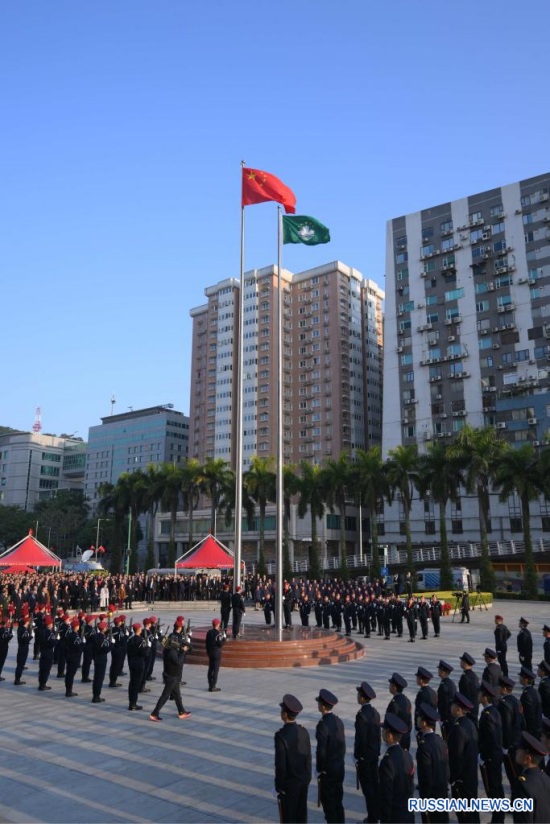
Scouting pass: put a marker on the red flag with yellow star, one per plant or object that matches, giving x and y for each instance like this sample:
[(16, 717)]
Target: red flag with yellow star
[(260, 186)]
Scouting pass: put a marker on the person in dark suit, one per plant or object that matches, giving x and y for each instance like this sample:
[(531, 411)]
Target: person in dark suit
[(544, 686), (492, 671), (395, 773), (445, 694), (331, 751), (423, 616), (490, 746), (463, 755), (401, 706), (530, 702), (292, 763), (237, 605), (525, 644), (432, 763), (366, 750), (215, 639), (502, 634), (468, 684), (532, 782), (436, 612), (225, 605), (511, 715)]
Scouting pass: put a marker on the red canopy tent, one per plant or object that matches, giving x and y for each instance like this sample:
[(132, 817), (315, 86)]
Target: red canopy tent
[(207, 554), (29, 552), (17, 570)]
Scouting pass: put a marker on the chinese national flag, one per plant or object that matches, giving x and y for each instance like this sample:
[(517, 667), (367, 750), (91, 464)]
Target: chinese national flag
[(260, 186)]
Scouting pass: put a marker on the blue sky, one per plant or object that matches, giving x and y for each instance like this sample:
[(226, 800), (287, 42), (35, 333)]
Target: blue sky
[(123, 125)]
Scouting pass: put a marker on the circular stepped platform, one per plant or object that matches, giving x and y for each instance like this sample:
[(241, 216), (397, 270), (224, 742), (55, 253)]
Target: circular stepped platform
[(262, 647)]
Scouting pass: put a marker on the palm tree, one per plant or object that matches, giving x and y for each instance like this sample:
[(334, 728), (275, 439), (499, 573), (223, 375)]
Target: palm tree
[(171, 483), (370, 484), (191, 472), (440, 476), (337, 481), (478, 452), (110, 504), (312, 496), (518, 473), (153, 495), (132, 488), (260, 481), (403, 478), (215, 479), (290, 487)]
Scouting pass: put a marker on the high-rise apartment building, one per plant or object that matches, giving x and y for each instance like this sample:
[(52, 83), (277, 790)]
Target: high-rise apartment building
[(332, 365), (467, 329), (35, 467)]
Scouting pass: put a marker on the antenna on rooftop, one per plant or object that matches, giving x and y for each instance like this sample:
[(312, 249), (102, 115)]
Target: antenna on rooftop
[(113, 401), (37, 425)]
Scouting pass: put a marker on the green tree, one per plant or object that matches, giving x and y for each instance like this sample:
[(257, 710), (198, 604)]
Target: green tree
[(215, 480), (518, 472), (370, 485), (154, 479), (14, 525), (403, 478), (171, 483), (60, 520), (260, 481), (440, 475), (111, 504), (290, 488), (337, 478), (312, 497), (190, 488)]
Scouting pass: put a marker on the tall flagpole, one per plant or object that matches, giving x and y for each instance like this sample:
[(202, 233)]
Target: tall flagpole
[(280, 430), (238, 400)]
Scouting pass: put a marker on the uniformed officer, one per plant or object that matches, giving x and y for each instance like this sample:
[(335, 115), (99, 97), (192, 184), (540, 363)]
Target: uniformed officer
[(502, 634), (490, 746), (432, 762), (401, 706), (544, 686), (425, 695), (237, 605), (173, 657), (118, 650), (525, 644), (395, 773), (511, 715), (24, 638), (530, 702), (423, 615), (214, 641), (436, 612), (225, 605), (463, 754), (88, 653), (468, 684), (546, 742), (137, 652), (331, 751), (102, 646), (6, 634), (47, 646), (492, 671), (546, 633), (366, 749), (72, 643), (532, 782), (292, 763), (445, 694)]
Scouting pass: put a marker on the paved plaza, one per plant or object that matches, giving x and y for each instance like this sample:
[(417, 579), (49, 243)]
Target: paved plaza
[(67, 760)]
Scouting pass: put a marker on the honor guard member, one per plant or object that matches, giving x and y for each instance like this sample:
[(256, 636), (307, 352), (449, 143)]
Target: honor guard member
[(64, 628), (425, 695), (215, 639), (432, 763), (395, 773), (24, 638), (492, 671), (511, 716), (445, 695), (173, 656), (118, 650), (305, 611), (490, 746), (154, 638), (463, 755), (423, 616), (225, 605), (288, 599), (502, 634), (137, 652), (48, 642), (292, 763), (237, 605), (468, 684), (102, 646), (436, 612), (546, 743), (72, 643), (399, 612), (331, 752), (6, 634), (88, 648), (546, 633), (401, 706), (532, 782), (525, 644), (38, 627), (412, 615), (544, 687), (530, 702), (147, 638), (366, 750)]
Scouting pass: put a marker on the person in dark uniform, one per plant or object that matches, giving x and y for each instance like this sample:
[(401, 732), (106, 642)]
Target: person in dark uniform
[(237, 605), (48, 642), (463, 755), (24, 638), (395, 773), (268, 609), (154, 636), (148, 644), (492, 671), (118, 650), (401, 706), (330, 758), (468, 684), (425, 694), (432, 763), (502, 634), (292, 763), (366, 750), (102, 647), (530, 702), (436, 611), (423, 615), (305, 610), (525, 644), (546, 633), (543, 672), (411, 611), (399, 612), (38, 627), (88, 653), (511, 715), (137, 653), (532, 781), (327, 612), (288, 599), (6, 634), (225, 605), (465, 608), (446, 692), (545, 738), (73, 652), (64, 627), (173, 656), (490, 746), (215, 639)]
